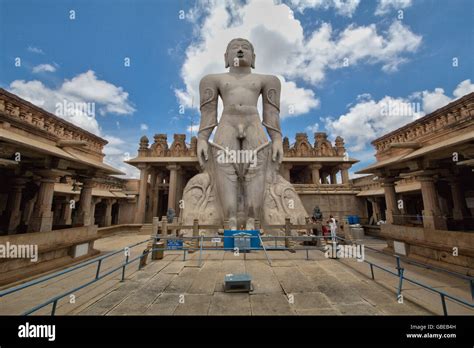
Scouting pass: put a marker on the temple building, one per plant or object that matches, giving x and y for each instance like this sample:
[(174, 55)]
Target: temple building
[(319, 172), (422, 186), (56, 190)]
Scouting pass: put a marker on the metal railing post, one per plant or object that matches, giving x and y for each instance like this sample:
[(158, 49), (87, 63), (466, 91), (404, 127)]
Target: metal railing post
[(98, 269), (53, 310), (372, 271), (398, 264), (471, 282), (123, 268), (200, 250), (400, 284), (443, 302)]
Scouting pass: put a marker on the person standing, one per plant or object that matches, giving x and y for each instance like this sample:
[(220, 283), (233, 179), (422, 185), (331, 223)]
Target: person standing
[(333, 226)]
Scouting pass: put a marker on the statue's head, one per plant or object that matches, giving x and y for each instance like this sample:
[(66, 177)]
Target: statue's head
[(239, 53)]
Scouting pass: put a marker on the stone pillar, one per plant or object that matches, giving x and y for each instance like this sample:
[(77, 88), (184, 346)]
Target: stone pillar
[(42, 216), (173, 168), (108, 211), (14, 203), (431, 212), (151, 194), (66, 211), (375, 209), (324, 178), (390, 199), (179, 190), (285, 171), (83, 216), (94, 202), (156, 193), (333, 177), (140, 215), (459, 205), (315, 173), (345, 173)]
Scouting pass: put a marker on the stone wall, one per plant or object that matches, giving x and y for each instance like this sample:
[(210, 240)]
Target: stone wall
[(338, 205), (55, 249), (126, 213), (434, 246)]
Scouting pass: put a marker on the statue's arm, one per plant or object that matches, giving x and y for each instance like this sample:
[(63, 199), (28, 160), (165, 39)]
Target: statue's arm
[(271, 107), (209, 94), (271, 115)]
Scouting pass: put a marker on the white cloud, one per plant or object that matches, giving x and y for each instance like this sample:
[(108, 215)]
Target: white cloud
[(35, 50), (342, 7), (83, 89), (313, 128), (464, 88), (117, 151), (44, 68), (385, 6), (369, 119), (434, 100), (284, 49), (143, 127)]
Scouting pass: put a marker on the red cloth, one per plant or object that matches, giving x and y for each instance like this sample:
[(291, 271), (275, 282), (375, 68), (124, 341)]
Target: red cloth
[(325, 231)]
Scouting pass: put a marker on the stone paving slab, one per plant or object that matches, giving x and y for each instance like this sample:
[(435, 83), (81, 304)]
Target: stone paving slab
[(183, 281), (205, 281), (230, 304), (263, 279), (292, 280), (193, 304), (318, 286), (271, 304), (310, 300), (165, 304)]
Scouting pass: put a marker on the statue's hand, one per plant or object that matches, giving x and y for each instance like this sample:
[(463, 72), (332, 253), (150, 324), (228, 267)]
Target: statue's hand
[(202, 151), (277, 151)]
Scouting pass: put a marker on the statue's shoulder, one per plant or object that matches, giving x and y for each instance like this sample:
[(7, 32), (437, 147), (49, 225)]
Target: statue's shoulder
[(212, 78), (270, 81)]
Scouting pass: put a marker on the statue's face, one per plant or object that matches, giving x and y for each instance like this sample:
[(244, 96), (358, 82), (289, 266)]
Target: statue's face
[(240, 53)]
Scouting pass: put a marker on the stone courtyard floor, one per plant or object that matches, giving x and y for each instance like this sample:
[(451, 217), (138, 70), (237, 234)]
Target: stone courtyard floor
[(292, 285)]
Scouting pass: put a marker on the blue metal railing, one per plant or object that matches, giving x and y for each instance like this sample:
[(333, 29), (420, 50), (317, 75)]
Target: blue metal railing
[(401, 275), (201, 239)]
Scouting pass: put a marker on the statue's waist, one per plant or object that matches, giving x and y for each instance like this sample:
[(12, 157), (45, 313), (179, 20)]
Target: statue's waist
[(240, 110)]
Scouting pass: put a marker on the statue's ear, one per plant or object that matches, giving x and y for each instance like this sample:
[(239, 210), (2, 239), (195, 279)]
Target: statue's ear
[(226, 60), (253, 61)]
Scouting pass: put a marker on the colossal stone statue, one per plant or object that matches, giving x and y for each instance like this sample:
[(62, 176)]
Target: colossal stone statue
[(240, 180)]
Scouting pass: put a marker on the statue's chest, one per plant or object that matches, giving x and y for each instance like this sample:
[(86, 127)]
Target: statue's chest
[(233, 85)]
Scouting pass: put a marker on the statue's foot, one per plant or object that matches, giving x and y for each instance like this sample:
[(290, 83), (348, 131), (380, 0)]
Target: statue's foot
[(233, 224), (250, 224)]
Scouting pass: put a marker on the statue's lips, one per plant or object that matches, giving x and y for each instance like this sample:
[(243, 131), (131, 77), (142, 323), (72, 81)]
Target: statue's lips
[(240, 55)]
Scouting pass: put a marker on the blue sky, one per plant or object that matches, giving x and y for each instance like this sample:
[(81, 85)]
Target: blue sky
[(340, 62)]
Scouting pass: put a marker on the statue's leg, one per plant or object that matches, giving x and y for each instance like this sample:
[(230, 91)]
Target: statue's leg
[(225, 174), (254, 183)]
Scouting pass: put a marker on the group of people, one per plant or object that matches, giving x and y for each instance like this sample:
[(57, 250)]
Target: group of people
[(328, 229)]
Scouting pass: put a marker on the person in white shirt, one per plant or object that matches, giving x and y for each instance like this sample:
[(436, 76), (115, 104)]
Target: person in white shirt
[(333, 227)]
